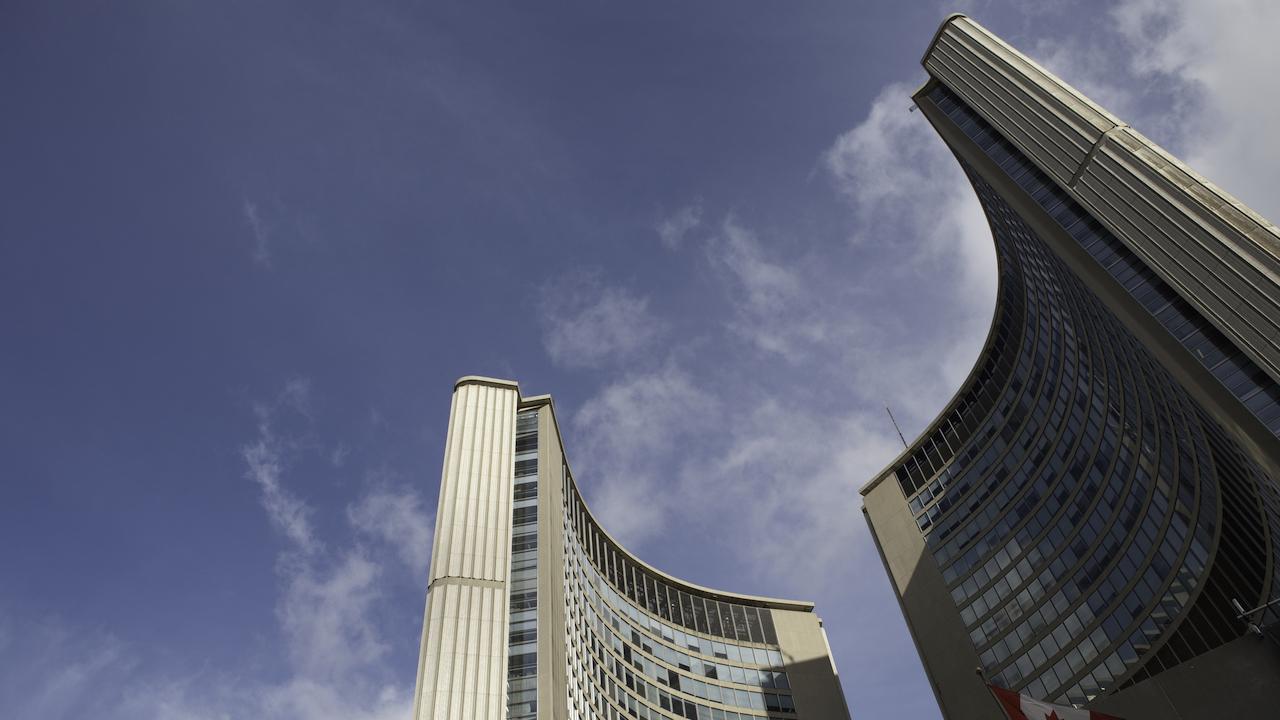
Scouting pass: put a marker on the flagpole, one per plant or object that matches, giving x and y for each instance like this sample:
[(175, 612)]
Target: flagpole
[(983, 677)]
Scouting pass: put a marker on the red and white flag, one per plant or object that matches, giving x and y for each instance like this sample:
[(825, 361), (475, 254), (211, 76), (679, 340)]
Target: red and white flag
[(1021, 707)]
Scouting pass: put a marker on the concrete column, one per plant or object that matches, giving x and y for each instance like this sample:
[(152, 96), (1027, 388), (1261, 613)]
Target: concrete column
[(462, 669)]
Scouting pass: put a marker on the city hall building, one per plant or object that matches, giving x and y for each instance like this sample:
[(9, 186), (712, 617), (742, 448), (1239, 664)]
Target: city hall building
[(535, 613), (1093, 518)]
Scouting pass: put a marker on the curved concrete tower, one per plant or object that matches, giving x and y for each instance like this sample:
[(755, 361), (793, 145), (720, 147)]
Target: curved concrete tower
[(535, 612), (1082, 518)]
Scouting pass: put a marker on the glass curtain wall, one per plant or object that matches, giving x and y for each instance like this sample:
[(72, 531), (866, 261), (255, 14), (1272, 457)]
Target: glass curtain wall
[(522, 644), (1073, 496), (659, 656)]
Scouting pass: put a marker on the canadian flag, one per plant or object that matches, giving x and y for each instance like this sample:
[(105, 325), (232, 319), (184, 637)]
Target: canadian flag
[(1021, 707)]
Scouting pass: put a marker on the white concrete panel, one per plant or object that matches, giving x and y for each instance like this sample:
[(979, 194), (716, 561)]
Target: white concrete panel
[(463, 663), (1217, 253), (1048, 120)]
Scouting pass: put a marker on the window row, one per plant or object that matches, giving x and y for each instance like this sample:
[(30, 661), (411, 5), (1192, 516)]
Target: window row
[(1251, 385), (670, 605)]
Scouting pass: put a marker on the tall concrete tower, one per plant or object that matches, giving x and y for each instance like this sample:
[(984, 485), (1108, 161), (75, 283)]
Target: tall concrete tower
[(534, 612), (1093, 518)]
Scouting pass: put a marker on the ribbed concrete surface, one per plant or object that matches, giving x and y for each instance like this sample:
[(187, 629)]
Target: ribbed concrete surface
[(1048, 120), (1218, 254), (463, 666)]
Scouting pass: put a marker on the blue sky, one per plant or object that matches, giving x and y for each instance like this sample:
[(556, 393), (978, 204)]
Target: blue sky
[(246, 248)]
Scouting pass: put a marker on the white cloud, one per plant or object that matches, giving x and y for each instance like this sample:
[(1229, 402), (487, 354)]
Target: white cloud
[(265, 461), (296, 395), (673, 228), (325, 615), (286, 511), (55, 671), (623, 437), (759, 455), (329, 609), (1220, 60), (326, 611), (917, 215), (910, 198), (306, 698), (1092, 72), (331, 612), (586, 323), (795, 470), (275, 226), (783, 305), (397, 517), (338, 456), (790, 448), (261, 233)]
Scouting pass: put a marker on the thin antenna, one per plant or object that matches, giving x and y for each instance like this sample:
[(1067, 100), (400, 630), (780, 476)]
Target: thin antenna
[(895, 426)]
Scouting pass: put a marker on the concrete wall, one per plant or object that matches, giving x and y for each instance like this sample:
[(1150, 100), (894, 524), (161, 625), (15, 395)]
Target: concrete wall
[(1238, 680), (1212, 249), (801, 637), (1207, 246), (462, 667), (810, 667), (936, 628), (463, 661), (553, 663)]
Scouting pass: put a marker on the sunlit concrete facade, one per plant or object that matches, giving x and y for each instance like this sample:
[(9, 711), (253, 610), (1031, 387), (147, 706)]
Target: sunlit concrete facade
[(535, 613), (1078, 520)]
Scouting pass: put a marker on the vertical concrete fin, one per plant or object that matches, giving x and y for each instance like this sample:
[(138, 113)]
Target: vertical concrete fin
[(462, 666)]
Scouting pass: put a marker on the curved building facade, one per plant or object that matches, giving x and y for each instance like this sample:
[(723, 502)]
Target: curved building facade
[(535, 612), (1082, 520)]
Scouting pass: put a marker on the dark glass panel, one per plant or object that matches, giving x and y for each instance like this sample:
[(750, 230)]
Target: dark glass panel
[(766, 623), (726, 620), (674, 596), (525, 515), (686, 611), (664, 608), (740, 622), (699, 615), (753, 625), (713, 618)]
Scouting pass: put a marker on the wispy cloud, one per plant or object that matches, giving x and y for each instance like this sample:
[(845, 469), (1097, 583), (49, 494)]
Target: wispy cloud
[(265, 460), (396, 516), (285, 510), (753, 435), (909, 198), (626, 434), (53, 670), (673, 228), (331, 612), (339, 454), (261, 233), (326, 618), (327, 608), (275, 227), (782, 463), (781, 303), (785, 434), (587, 323), (1216, 63)]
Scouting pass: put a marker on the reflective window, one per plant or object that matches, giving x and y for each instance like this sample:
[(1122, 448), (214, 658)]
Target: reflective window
[(1070, 494)]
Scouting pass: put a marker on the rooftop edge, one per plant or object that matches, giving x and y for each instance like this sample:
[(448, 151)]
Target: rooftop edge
[(482, 380), (725, 595)]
